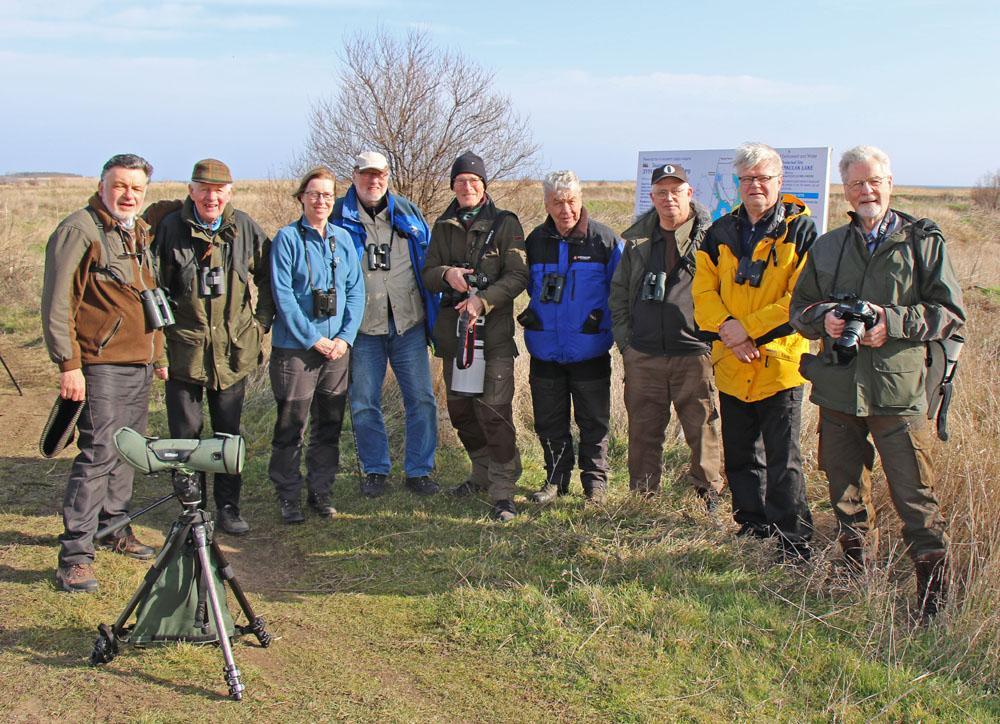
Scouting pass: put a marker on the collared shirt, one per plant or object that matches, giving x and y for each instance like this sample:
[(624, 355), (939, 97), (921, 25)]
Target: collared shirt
[(213, 227)]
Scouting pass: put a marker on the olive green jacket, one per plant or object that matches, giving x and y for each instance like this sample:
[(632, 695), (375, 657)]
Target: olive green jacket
[(215, 341), (504, 262), (921, 304)]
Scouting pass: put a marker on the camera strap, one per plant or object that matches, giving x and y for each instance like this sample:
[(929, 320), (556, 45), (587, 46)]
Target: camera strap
[(305, 249), (489, 238)]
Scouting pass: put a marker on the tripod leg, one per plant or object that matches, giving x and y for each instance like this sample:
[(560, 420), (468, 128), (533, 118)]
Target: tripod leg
[(229, 671), (106, 646), (256, 625)]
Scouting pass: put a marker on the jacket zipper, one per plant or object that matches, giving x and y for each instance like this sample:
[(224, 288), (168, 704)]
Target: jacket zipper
[(114, 330)]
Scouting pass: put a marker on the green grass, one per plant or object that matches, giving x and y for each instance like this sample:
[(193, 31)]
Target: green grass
[(410, 609)]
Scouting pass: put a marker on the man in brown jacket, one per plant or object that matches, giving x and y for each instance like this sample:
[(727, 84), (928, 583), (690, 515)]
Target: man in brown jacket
[(474, 238), (97, 262)]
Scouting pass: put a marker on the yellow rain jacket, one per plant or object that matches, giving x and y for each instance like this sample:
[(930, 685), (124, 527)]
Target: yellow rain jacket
[(762, 310)]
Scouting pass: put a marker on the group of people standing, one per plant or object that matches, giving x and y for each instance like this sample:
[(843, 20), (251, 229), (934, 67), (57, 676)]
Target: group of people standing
[(712, 318)]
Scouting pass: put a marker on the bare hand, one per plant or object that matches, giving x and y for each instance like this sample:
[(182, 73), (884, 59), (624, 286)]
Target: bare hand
[(833, 324), (324, 346), (746, 351), (339, 349), (72, 385), (876, 336), (455, 276), (732, 333), (161, 373), (473, 306)]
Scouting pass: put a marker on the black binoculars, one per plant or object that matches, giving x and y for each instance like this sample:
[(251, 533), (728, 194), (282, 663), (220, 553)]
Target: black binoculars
[(211, 281), (324, 302), (552, 288), (156, 308), (378, 256), (749, 271), (654, 287)]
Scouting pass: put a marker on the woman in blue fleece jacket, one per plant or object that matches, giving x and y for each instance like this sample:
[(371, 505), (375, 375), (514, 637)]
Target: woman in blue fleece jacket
[(319, 297)]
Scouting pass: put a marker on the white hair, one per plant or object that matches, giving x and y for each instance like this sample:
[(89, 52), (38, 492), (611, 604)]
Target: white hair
[(752, 153), (560, 182), (860, 154)]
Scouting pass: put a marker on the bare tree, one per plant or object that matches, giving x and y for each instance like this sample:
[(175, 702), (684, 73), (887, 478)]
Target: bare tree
[(986, 192), (420, 106)]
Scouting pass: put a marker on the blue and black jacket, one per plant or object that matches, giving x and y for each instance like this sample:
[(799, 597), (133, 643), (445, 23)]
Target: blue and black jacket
[(407, 221), (578, 326)]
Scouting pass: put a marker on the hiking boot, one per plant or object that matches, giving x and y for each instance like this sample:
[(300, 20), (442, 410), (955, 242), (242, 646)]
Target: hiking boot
[(598, 495), (422, 485), (229, 520), (373, 485), (464, 490), (504, 510), (711, 500), (794, 552), (291, 512), (853, 546), (77, 578), (751, 529), (321, 505), (546, 494), (125, 543), (932, 584)]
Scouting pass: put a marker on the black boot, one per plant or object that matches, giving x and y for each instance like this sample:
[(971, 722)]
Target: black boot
[(932, 584)]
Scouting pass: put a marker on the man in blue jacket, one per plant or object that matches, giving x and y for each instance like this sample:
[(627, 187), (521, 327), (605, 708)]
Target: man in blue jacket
[(391, 239), (567, 329)]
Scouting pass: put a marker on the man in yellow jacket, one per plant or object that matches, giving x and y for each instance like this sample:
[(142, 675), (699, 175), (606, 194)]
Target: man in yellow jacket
[(745, 271)]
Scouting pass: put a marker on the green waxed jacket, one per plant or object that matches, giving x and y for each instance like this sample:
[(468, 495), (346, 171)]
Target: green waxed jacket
[(215, 341), (504, 262), (921, 304)]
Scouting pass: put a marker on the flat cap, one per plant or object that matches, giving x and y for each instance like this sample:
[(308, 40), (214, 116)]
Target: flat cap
[(211, 171)]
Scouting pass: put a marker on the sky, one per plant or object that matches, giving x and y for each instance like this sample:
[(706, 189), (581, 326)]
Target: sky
[(179, 80)]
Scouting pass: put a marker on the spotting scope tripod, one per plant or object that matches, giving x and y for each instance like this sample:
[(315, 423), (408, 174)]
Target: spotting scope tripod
[(192, 530)]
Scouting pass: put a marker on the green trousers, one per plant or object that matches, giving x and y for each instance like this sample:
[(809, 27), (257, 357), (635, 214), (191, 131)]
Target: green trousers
[(847, 455)]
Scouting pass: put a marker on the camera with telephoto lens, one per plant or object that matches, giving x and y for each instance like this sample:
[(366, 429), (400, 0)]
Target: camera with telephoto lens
[(378, 257), (211, 281), (749, 271), (552, 288), (654, 287), (324, 302), (859, 316), (156, 308)]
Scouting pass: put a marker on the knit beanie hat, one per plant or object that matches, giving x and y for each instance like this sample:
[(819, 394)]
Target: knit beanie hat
[(468, 162)]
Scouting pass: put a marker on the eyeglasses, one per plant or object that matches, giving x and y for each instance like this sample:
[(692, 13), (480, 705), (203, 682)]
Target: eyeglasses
[(664, 195), (317, 195), (751, 180), (874, 182), (473, 182)]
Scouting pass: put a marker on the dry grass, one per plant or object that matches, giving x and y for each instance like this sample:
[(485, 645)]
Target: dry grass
[(967, 639)]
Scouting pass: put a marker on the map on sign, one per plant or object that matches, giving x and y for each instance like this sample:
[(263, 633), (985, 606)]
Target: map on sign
[(711, 175)]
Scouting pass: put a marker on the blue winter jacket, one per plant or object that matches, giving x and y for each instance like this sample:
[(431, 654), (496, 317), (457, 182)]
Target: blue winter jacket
[(578, 327), (408, 222), (295, 326)]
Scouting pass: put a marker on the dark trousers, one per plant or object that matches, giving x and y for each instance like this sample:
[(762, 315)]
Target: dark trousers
[(100, 482), (763, 464), (485, 425), (587, 385), (185, 419), (307, 387)]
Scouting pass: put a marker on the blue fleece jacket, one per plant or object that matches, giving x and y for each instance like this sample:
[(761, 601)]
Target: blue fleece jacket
[(295, 326)]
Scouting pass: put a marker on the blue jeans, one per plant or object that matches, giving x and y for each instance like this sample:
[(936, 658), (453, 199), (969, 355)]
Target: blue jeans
[(407, 353)]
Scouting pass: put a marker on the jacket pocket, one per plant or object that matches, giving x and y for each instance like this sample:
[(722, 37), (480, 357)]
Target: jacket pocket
[(245, 354), (529, 320), (108, 332), (592, 324)]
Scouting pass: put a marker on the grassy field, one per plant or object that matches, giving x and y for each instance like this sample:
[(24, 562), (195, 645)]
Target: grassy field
[(407, 609)]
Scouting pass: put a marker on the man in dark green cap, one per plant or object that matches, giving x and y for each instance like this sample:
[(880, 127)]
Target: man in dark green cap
[(208, 252)]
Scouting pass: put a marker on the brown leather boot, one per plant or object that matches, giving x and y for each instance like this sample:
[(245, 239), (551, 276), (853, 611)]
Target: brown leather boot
[(77, 578), (932, 584), (125, 543)]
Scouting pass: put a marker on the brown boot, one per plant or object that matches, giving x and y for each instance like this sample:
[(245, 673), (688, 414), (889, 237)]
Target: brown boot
[(126, 544), (932, 585), (78, 578), (853, 545)]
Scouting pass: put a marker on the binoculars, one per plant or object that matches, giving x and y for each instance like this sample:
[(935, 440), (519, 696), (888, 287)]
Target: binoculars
[(324, 302), (654, 287), (156, 308), (378, 256), (750, 271), (552, 288), (211, 281)]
